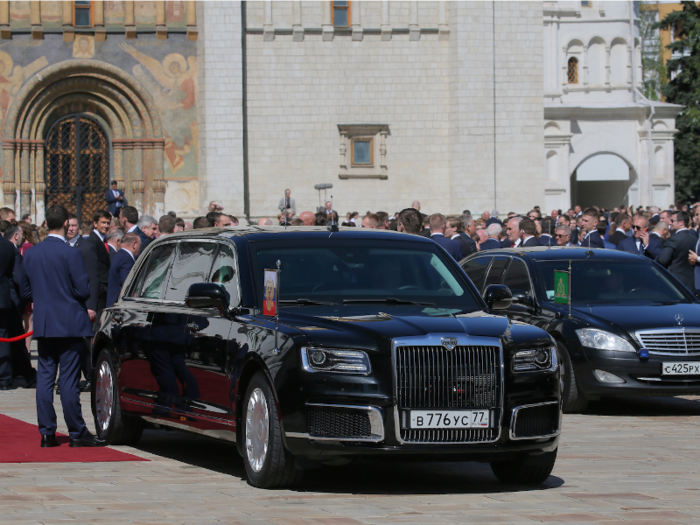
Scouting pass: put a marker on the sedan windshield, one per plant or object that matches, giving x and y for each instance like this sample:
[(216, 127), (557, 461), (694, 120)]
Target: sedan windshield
[(594, 281), (353, 271)]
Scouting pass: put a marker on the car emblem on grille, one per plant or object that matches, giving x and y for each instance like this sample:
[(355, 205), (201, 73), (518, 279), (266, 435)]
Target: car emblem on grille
[(679, 319), (449, 343)]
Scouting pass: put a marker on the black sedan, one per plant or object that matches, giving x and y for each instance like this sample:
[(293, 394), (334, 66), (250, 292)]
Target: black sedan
[(631, 329), (379, 346)]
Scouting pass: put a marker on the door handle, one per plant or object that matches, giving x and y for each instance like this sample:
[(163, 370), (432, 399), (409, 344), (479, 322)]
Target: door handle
[(193, 327)]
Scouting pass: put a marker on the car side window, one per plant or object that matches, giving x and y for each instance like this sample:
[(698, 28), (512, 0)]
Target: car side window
[(494, 276), (153, 278), (476, 270), (517, 277), (192, 265), (224, 272)]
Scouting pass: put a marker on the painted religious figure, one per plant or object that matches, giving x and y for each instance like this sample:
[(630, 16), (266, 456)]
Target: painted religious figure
[(84, 46), (173, 85)]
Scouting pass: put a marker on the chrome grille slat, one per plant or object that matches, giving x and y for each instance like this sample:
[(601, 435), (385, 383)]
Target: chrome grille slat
[(679, 341), (432, 377)]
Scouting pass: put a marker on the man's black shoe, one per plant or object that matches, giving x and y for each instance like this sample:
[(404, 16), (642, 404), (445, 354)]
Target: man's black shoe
[(87, 387), (7, 387), (87, 440), (49, 441), (31, 383)]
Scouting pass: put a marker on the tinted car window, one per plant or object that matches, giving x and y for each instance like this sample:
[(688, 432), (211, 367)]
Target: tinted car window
[(476, 270), (611, 281), (153, 278), (191, 266), (496, 270), (517, 277), (224, 272)]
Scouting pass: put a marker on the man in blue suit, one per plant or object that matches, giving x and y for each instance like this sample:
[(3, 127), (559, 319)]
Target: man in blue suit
[(7, 266), (642, 243), (115, 200), (121, 265), (494, 232), (592, 238), (437, 234), (60, 289)]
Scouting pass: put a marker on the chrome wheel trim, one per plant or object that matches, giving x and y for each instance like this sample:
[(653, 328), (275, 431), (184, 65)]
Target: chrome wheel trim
[(104, 396), (257, 430)]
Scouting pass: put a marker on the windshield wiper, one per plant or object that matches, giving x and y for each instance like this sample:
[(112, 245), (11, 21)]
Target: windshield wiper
[(306, 302), (388, 300)]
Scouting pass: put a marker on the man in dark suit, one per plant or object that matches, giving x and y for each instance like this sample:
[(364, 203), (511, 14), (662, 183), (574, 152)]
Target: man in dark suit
[(643, 243), (7, 266), (437, 234), (547, 237), (114, 240), (115, 199), (21, 294), (60, 289), (146, 230), (494, 232), (528, 229), (95, 250), (676, 250), (454, 230), (623, 224), (121, 266), (591, 238)]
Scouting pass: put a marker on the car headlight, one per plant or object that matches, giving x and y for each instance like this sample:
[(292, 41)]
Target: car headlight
[(594, 338), (335, 360), (535, 359)]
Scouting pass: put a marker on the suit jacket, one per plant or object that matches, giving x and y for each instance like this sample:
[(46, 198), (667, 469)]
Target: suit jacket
[(7, 266), (118, 272), (674, 256), (112, 253), (593, 240), (532, 241), (144, 239), (490, 244), (493, 220), (112, 201), (60, 289), (652, 251), (21, 292), (283, 205), (452, 247), (506, 243), (547, 240), (616, 237), (467, 243), (96, 259), (655, 219)]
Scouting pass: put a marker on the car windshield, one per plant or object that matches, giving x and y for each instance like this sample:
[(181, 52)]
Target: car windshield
[(606, 281), (350, 270)]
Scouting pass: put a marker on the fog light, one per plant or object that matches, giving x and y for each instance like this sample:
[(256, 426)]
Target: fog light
[(607, 377), (318, 357)]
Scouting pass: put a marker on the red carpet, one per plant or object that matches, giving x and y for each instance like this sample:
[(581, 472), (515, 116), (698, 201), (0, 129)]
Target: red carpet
[(19, 443)]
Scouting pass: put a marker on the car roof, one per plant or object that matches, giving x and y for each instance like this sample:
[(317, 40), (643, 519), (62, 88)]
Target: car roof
[(559, 253)]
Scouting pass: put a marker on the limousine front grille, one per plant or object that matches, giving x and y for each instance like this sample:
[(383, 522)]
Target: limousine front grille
[(671, 341), (433, 377)]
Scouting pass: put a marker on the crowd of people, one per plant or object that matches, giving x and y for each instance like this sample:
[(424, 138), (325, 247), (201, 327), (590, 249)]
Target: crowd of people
[(99, 255)]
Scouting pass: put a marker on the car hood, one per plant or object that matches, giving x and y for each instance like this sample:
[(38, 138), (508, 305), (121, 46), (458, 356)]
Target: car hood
[(374, 327), (632, 317)]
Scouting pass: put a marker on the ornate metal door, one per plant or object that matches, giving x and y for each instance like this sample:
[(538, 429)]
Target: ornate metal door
[(77, 166)]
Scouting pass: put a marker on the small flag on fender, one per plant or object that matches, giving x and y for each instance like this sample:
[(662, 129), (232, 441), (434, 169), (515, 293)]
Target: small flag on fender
[(270, 293)]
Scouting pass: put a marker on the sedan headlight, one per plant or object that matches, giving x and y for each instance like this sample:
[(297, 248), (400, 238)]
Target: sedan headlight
[(594, 338), (536, 359), (335, 360)]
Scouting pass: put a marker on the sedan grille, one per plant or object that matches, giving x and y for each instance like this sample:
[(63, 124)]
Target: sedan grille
[(337, 422), (432, 377), (673, 341)]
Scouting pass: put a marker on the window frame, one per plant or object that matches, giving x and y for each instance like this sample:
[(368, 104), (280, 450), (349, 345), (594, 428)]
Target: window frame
[(347, 8), (569, 62), (529, 292), (354, 164), (480, 289), (91, 10), (179, 243)]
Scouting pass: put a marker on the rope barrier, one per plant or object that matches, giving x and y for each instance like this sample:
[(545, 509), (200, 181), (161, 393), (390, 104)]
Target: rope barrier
[(18, 338)]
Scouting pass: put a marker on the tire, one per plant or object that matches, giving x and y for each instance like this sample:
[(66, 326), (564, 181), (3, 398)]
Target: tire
[(530, 470), (267, 463), (574, 400), (111, 424)]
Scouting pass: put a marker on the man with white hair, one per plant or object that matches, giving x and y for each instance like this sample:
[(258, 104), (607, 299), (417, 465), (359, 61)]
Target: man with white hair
[(494, 219), (513, 230), (563, 235), (494, 232), (655, 217), (146, 230), (264, 222)]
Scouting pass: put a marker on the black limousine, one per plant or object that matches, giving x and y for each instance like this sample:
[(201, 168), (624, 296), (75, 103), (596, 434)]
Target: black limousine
[(372, 344), (632, 328)]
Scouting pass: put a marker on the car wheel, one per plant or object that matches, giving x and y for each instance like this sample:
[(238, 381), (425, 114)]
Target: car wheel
[(574, 400), (111, 424), (529, 470), (267, 462)]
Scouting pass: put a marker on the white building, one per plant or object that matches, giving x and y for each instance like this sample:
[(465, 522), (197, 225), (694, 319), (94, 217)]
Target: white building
[(605, 144)]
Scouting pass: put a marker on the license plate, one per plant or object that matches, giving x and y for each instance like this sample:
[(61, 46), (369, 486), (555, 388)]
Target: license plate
[(421, 419), (680, 369)]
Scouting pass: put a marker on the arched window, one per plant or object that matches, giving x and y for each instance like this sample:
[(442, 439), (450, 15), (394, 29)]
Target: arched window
[(573, 70)]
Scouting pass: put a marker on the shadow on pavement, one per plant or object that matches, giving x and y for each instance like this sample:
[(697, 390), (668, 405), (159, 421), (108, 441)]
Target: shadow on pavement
[(361, 477), (645, 407)]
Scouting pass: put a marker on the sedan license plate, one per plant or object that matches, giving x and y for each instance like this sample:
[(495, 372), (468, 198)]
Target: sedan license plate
[(422, 419), (680, 369)]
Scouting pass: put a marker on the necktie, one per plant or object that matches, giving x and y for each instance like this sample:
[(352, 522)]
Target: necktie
[(107, 246)]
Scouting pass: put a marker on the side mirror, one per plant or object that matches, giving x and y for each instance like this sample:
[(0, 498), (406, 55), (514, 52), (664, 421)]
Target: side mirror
[(497, 297), (520, 297), (208, 295)]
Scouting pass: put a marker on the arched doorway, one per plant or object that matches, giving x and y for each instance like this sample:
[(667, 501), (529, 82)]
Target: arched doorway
[(605, 180), (77, 165)]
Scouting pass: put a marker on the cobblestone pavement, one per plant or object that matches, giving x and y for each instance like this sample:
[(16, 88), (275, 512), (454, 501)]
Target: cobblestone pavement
[(632, 461)]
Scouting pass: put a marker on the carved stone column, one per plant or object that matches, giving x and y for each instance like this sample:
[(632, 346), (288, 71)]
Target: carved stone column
[(8, 185), (39, 182)]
